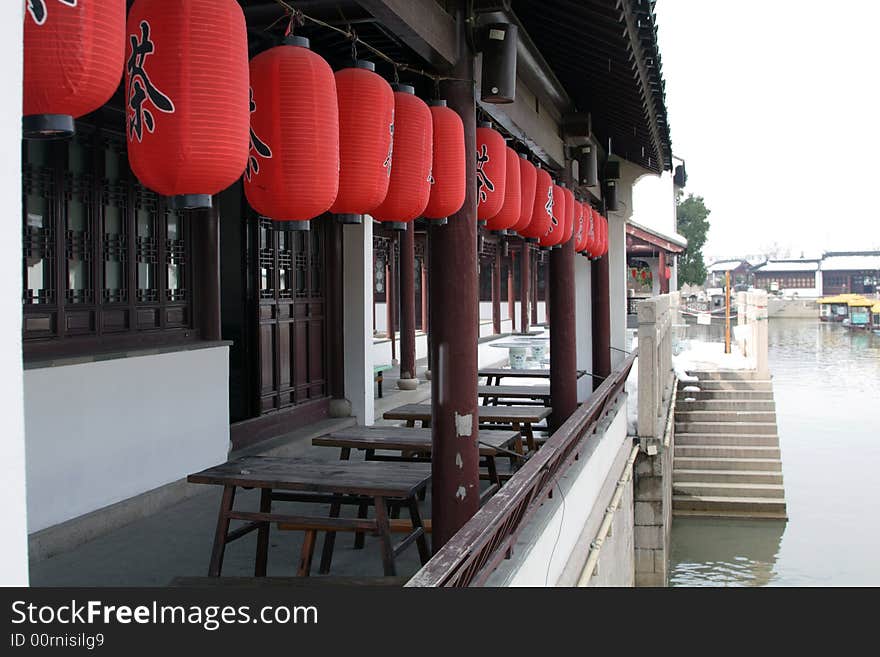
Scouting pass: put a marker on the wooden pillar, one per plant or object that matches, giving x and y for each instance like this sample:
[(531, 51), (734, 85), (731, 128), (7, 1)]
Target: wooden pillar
[(525, 278), (209, 272), (389, 300), (661, 271), (334, 307), (423, 272), (407, 277), (559, 291), (455, 490), (496, 293), (534, 286), (601, 320), (511, 298)]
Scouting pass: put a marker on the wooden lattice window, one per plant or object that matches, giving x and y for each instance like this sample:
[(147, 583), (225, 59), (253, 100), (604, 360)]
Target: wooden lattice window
[(106, 264)]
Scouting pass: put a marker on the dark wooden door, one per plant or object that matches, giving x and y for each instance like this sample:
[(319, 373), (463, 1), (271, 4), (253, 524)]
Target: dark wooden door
[(291, 280)]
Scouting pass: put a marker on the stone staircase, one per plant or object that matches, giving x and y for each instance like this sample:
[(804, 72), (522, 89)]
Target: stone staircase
[(726, 460)]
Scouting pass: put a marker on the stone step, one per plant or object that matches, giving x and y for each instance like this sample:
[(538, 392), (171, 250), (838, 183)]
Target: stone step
[(756, 395), (762, 385), (739, 416), (730, 513), (733, 489), (728, 451), (741, 507), (724, 375), (732, 439), (726, 476), (726, 463), (726, 427), (725, 405)]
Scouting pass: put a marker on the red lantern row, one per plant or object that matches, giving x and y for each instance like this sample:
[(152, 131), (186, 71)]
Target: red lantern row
[(73, 62)]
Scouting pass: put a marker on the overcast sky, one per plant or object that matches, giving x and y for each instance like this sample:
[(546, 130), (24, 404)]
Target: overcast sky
[(775, 106)]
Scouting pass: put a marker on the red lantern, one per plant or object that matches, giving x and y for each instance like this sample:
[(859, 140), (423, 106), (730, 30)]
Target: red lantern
[(528, 178), (410, 185), (508, 216), (292, 173), (603, 232), (590, 229), (449, 182), (569, 216), (542, 210), (580, 232), (73, 55), (366, 125), (555, 233), (187, 97), (491, 171), (668, 273)]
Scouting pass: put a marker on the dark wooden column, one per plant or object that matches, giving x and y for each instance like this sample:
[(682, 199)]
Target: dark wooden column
[(423, 273), (390, 282), (548, 302), (661, 271), (511, 297), (525, 278), (563, 340), (208, 232), (601, 320), (334, 306), (408, 303), (496, 293), (534, 287), (455, 491)]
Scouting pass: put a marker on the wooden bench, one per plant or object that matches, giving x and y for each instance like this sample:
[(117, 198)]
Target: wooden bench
[(384, 485), (378, 375), (268, 582)]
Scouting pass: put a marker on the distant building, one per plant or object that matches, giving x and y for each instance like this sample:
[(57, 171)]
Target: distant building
[(799, 277), (740, 273), (850, 271)]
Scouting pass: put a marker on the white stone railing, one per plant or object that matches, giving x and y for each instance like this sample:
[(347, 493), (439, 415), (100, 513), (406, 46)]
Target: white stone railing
[(656, 317), (751, 333)]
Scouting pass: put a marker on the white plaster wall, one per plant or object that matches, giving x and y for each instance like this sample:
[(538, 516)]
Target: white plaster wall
[(545, 546), (98, 433), (583, 308), (13, 547), (357, 336)]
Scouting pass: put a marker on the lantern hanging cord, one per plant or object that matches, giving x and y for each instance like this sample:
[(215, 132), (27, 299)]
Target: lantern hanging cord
[(298, 17)]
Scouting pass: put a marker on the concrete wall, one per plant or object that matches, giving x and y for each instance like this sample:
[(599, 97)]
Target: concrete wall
[(118, 428), (793, 308), (13, 547), (653, 516), (556, 539)]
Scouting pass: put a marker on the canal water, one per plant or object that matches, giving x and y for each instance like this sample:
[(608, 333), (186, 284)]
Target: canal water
[(826, 381)]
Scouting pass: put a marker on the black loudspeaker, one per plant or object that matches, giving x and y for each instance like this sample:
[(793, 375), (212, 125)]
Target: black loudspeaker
[(612, 170), (610, 196), (588, 166), (498, 80), (680, 177)]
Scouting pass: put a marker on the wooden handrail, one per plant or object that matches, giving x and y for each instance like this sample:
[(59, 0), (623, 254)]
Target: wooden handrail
[(470, 557)]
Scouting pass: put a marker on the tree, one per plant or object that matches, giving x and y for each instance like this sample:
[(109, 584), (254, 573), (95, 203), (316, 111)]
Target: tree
[(693, 224)]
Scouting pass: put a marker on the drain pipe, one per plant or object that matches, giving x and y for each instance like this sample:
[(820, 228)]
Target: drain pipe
[(605, 527)]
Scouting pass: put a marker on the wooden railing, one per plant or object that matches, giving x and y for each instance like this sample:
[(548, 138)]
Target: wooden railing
[(470, 557)]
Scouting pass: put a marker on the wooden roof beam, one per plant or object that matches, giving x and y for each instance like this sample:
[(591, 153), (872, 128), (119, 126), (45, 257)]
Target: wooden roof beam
[(644, 75), (422, 25)]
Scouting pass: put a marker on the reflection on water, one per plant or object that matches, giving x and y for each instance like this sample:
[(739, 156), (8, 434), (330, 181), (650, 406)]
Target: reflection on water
[(827, 389)]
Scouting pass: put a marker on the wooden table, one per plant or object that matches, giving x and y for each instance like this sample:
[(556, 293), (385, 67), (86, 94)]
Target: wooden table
[(496, 374), (539, 395), (520, 418), (414, 445), (305, 480)]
